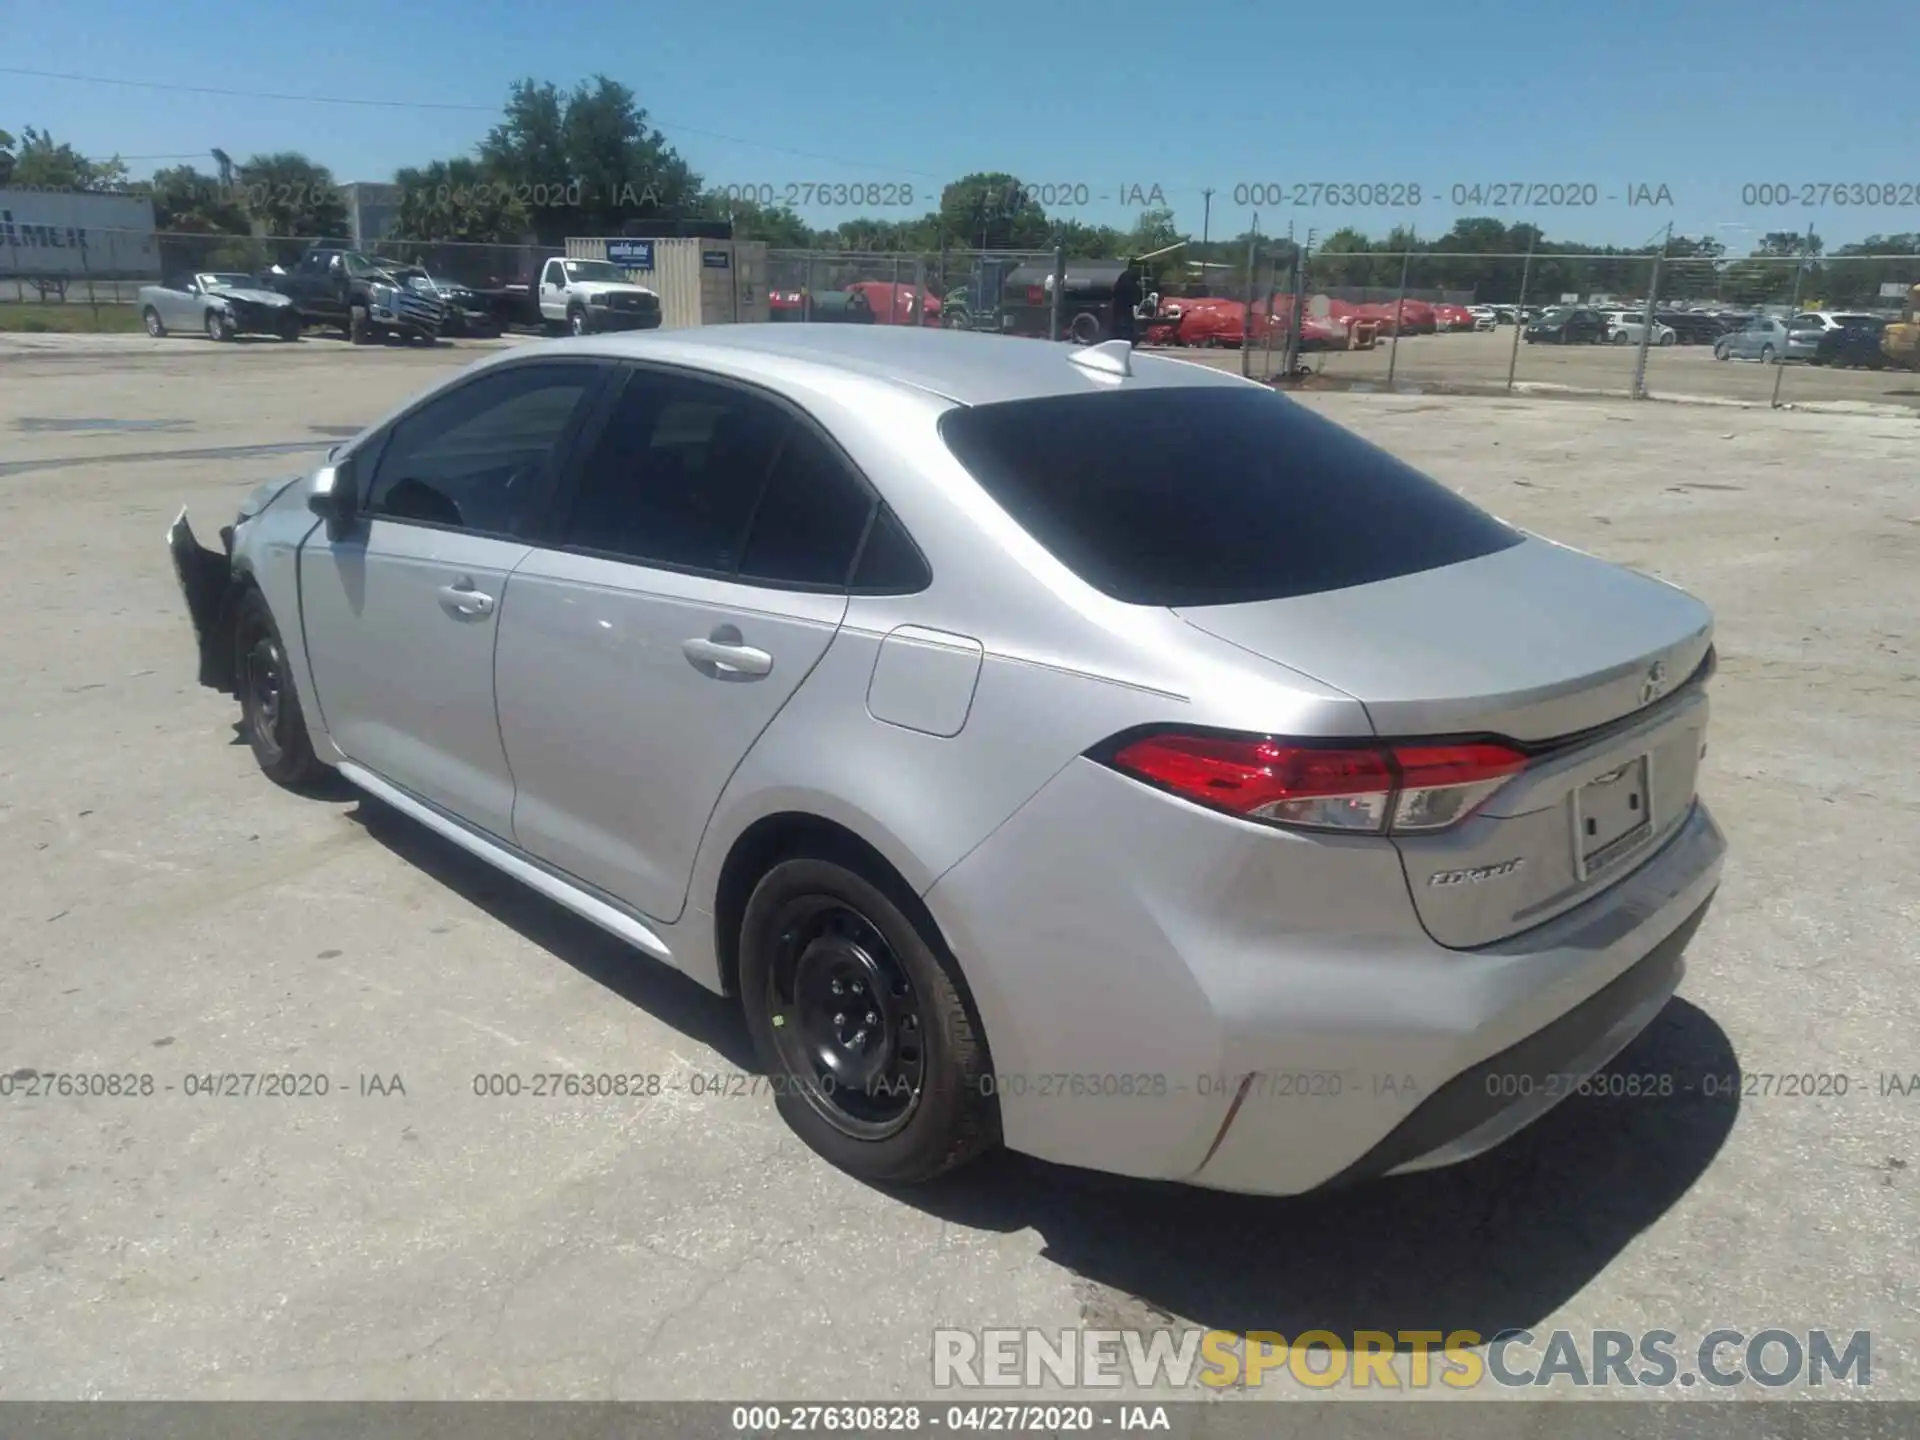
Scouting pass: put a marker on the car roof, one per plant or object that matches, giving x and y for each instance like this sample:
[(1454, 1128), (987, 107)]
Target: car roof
[(963, 366)]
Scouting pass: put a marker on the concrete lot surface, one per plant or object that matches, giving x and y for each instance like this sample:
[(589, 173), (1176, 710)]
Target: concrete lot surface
[(169, 913)]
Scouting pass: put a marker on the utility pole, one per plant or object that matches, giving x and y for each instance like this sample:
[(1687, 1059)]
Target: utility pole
[(1206, 216), (1799, 274), (1639, 391)]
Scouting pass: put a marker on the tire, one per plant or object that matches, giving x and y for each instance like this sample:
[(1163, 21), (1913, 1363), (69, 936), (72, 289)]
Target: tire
[(270, 714), (819, 933), (1720, 352), (218, 326), (155, 326), (359, 326), (1620, 337), (290, 328), (1766, 355), (577, 322), (1669, 338), (1085, 329)]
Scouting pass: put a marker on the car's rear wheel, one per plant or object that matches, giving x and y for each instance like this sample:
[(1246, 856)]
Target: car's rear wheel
[(862, 1023), (577, 323), (155, 327), (1668, 338), (359, 325), (270, 714), (1620, 337), (290, 327)]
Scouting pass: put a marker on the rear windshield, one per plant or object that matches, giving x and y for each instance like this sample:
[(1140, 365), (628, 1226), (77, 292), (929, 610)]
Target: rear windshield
[(1212, 495)]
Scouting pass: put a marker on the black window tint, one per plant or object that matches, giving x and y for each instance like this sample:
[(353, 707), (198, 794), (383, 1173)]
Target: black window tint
[(1201, 495), (811, 518), (674, 477), (889, 561), (478, 458)]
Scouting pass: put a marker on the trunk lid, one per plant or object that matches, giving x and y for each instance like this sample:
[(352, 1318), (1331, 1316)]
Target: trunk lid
[(1591, 668)]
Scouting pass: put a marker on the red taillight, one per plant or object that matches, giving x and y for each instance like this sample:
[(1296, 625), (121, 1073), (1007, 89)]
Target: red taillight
[(1367, 788), (1036, 295)]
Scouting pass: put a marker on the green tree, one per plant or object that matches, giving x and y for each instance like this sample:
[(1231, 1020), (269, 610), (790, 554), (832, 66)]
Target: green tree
[(38, 162), (188, 201), (992, 210), (289, 196), (777, 225), (586, 162), (7, 143), (455, 200)]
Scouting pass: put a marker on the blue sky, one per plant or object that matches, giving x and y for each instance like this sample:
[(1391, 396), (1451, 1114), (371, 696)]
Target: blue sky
[(1704, 97)]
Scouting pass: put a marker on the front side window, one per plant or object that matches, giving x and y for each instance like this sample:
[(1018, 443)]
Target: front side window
[(479, 457)]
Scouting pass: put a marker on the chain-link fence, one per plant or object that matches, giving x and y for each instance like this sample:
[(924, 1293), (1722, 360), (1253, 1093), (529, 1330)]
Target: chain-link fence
[(1760, 329), (1769, 328)]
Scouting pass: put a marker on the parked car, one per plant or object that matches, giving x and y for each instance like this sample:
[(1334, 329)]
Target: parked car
[(1763, 338), (588, 296), (1625, 327), (466, 314), (1691, 327), (727, 641), (357, 294), (1563, 325), (1806, 330), (1853, 345), (219, 305)]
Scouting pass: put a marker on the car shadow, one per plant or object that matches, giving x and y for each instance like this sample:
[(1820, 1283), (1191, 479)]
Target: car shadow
[(1501, 1241), (655, 987)]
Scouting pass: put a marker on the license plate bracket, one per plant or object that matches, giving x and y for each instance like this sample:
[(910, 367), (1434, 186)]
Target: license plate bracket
[(1612, 817)]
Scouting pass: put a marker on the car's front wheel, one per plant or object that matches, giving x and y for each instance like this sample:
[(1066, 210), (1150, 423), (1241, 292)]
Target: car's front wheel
[(861, 1022), (270, 714), (219, 327)]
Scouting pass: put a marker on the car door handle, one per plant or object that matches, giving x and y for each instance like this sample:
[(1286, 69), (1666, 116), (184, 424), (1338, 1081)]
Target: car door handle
[(462, 597), (729, 659)]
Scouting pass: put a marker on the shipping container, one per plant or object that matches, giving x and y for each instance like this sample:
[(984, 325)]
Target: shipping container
[(699, 281)]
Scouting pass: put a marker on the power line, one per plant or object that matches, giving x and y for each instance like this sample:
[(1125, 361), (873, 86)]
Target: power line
[(363, 102)]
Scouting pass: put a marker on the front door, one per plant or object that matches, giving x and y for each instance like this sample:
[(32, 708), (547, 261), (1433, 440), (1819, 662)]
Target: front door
[(698, 576), (400, 612)]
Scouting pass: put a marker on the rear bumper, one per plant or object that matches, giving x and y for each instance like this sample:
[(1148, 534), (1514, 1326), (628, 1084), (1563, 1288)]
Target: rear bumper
[(1170, 995), (1497, 1098)]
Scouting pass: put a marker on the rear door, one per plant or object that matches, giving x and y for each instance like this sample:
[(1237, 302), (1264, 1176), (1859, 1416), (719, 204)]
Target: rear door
[(400, 611), (697, 573)]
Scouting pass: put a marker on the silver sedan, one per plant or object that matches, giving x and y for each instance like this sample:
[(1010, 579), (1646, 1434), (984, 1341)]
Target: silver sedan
[(1066, 748), (219, 305)]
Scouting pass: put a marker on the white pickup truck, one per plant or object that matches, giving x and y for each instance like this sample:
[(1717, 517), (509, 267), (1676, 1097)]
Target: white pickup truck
[(590, 295)]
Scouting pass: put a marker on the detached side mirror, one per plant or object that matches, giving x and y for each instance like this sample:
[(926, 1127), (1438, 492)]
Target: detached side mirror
[(332, 497)]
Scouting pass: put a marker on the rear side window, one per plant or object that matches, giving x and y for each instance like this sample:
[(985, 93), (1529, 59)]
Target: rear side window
[(809, 521), (1212, 495)]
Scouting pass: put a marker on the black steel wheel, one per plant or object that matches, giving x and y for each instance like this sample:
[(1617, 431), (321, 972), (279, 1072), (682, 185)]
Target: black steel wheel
[(862, 1021), (845, 1017), (270, 714)]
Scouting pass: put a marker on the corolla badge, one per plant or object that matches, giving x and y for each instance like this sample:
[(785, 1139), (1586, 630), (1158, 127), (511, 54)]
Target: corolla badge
[(1655, 685), (1476, 874)]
